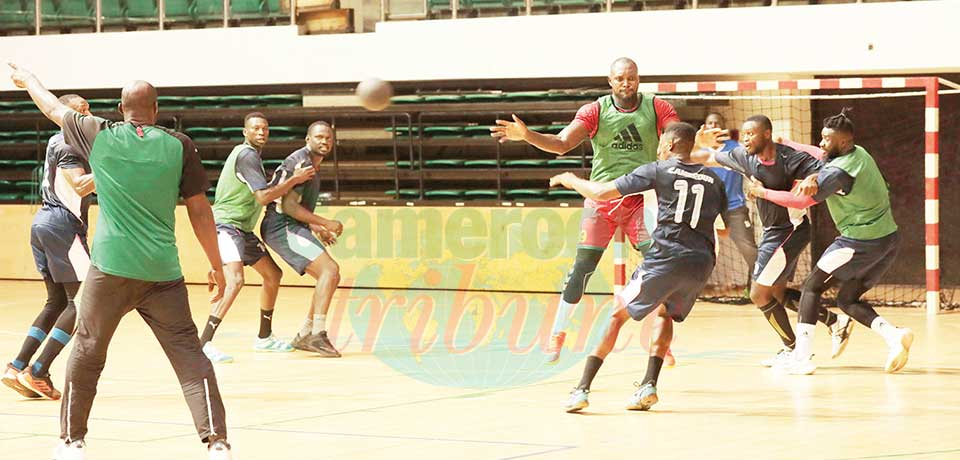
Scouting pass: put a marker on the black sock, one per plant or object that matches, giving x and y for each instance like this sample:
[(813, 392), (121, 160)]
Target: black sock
[(653, 370), (266, 323), (792, 300), (56, 303), (777, 317), (60, 335), (212, 323), (589, 372)]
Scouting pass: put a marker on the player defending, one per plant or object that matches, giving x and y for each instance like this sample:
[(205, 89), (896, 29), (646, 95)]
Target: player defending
[(623, 129), (141, 170), (777, 166), (289, 227), (58, 238), (737, 220), (242, 192), (859, 203), (675, 270)]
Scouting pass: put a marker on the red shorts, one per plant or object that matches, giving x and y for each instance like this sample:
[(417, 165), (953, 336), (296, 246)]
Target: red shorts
[(602, 218)]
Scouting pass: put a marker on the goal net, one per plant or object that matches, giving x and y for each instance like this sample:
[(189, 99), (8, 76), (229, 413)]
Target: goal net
[(898, 120)]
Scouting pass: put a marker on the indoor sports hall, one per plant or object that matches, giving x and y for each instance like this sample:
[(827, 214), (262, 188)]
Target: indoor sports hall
[(346, 229)]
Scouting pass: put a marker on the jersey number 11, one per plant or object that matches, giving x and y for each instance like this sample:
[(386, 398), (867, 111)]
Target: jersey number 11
[(683, 187)]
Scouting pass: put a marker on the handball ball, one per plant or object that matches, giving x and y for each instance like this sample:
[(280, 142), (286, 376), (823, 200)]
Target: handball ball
[(374, 94)]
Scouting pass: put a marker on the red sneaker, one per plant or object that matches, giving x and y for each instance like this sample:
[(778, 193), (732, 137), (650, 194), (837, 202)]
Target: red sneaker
[(42, 385), (556, 345), (10, 380)]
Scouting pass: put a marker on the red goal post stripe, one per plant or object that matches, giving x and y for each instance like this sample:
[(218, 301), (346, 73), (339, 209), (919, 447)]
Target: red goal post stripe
[(774, 85)]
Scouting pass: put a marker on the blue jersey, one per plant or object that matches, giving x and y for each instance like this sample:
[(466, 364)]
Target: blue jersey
[(689, 199), (732, 180)]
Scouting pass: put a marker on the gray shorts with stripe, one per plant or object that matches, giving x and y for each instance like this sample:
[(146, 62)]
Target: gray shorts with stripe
[(293, 242)]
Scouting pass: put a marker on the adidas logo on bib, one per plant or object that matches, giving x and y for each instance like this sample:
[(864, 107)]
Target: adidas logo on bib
[(628, 139)]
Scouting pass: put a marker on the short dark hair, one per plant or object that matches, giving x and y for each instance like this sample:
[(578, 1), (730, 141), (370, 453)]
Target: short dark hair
[(254, 115), (318, 123), (761, 120), (684, 133), (840, 122), (718, 115)]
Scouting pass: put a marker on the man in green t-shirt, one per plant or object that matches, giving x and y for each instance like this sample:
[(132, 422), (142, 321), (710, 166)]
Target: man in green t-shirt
[(624, 130), (141, 170), (859, 202), (242, 192)]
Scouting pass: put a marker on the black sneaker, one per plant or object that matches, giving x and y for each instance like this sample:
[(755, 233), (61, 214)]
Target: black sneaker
[(323, 345)]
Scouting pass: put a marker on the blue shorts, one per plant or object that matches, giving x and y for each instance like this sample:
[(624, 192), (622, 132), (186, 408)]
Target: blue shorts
[(675, 282), (865, 260), (58, 241), (778, 254)]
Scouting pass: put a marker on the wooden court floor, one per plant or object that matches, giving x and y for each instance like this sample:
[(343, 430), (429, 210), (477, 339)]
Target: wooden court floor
[(718, 403)]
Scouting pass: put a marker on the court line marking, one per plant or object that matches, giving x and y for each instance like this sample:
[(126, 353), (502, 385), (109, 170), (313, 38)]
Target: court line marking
[(536, 454), (907, 454)]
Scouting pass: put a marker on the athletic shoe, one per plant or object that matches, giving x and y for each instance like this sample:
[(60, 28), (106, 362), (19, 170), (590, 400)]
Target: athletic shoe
[(780, 359), (70, 451), (798, 366), (219, 450), (302, 342), (322, 345), (10, 380), (840, 334), (668, 359), (216, 356), (899, 350), (271, 344), (577, 400), (644, 398), (43, 386), (556, 345)]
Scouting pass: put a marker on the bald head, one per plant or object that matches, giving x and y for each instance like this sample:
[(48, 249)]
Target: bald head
[(138, 102), (624, 81), (621, 64)]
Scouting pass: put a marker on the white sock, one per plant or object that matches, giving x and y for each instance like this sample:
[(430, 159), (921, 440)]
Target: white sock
[(563, 313), (802, 351), (307, 327), (319, 323), (884, 328)]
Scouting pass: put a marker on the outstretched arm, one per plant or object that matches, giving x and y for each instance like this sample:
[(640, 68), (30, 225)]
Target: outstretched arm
[(568, 139), (599, 191), (45, 100), (269, 194)]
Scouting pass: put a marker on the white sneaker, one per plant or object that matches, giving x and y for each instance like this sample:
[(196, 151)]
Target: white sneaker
[(216, 356), (70, 451), (577, 400), (220, 450), (271, 344), (840, 334), (899, 350), (782, 357), (798, 366)]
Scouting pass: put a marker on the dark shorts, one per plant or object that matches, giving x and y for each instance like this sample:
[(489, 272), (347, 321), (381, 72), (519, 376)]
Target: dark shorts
[(294, 243), (602, 218), (866, 260), (59, 245), (674, 282), (778, 254), (239, 246)]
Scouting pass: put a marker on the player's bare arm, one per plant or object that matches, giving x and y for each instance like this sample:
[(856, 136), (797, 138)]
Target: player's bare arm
[(300, 175), (201, 218), (45, 100), (600, 191), (568, 139)]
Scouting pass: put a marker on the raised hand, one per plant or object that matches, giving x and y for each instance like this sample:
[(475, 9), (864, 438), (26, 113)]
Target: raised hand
[(711, 138), (515, 130), (19, 75)]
